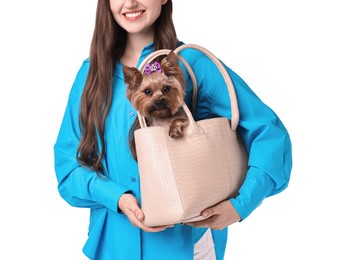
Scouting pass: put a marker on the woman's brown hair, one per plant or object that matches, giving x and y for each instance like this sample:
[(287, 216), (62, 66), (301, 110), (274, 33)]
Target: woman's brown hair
[(107, 47)]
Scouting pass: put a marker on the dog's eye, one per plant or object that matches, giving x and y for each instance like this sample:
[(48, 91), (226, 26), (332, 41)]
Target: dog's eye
[(166, 88), (147, 92)]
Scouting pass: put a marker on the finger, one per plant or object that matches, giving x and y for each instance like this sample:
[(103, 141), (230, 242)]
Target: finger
[(202, 223), (214, 223), (136, 221), (131, 217), (209, 212), (133, 207), (138, 213), (214, 210), (153, 229)]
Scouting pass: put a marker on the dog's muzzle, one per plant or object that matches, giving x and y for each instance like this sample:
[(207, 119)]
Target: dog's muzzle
[(159, 104)]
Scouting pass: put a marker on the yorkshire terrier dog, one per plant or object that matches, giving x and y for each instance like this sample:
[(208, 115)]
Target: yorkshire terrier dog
[(157, 95)]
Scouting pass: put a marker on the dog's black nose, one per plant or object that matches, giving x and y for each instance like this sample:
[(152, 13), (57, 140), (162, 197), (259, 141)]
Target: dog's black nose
[(159, 103)]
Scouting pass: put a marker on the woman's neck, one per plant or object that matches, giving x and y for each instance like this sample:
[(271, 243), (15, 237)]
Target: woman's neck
[(135, 45)]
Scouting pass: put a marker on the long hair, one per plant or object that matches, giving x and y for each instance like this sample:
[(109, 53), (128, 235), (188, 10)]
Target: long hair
[(107, 47)]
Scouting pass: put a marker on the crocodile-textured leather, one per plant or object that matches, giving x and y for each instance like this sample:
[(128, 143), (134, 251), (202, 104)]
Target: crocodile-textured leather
[(180, 177)]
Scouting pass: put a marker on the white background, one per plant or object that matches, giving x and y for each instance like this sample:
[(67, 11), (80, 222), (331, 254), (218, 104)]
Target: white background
[(291, 53)]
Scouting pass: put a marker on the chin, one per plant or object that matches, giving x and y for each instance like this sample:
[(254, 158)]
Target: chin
[(161, 113)]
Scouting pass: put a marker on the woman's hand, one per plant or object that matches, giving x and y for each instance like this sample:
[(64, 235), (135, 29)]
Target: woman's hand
[(129, 205), (218, 216)]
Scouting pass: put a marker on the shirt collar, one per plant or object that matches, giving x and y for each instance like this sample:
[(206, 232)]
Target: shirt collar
[(148, 49)]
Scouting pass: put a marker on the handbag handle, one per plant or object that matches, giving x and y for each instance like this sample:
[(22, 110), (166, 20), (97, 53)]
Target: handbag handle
[(222, 70)]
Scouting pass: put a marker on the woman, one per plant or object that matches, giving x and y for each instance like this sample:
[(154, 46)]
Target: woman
[(95, 168)]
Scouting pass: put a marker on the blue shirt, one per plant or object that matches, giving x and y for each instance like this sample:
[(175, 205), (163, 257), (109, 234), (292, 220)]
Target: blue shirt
[(111, 235)]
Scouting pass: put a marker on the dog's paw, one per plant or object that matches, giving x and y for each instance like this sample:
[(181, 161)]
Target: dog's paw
[(175, 132)]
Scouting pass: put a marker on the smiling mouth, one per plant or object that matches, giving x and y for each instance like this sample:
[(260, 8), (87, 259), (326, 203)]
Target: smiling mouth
[(133, 15)]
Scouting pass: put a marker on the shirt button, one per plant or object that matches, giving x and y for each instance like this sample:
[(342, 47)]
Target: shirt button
[(131, 113), (133, 179)]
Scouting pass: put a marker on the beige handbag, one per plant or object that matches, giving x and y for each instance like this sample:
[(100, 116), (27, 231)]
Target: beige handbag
[(179, 178)]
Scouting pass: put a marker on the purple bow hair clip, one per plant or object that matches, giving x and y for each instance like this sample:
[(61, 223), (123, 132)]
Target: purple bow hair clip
[(155, 67)]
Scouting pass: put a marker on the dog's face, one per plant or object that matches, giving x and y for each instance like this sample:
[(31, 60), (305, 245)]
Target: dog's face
[(157, 94)]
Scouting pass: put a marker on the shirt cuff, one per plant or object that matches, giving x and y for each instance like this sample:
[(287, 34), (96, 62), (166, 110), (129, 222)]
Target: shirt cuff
[(108, 193), (256, 187)]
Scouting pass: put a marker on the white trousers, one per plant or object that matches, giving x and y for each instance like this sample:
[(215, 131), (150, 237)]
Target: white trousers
[(204, 248)]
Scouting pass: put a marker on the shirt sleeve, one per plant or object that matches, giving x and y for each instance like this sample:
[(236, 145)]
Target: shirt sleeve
[(265, 137), (77, 185)]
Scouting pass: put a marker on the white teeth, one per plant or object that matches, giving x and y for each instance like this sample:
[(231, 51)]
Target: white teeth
[(133, 15)]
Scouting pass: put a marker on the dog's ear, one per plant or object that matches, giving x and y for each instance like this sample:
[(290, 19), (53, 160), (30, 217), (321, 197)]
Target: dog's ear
[(133, 77), (170, 65)]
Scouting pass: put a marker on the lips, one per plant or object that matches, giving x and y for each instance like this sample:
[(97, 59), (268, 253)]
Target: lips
[(133, 14)]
